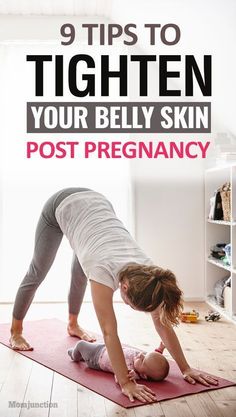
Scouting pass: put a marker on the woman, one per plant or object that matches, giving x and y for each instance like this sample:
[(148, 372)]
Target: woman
[(106, 254)]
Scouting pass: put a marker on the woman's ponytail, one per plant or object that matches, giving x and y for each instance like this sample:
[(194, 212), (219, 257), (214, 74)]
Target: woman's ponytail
[(172, 297), (150, 287)]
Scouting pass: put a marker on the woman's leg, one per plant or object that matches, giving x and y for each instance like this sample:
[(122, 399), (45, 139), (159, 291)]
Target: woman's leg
[(47, 240), (75, 298)]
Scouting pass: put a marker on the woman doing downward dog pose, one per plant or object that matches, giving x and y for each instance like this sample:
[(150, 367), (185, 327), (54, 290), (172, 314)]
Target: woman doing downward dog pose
[(107, 255)]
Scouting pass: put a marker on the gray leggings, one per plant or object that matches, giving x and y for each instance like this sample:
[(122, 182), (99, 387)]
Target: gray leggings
[(88, 352), (48, 237)]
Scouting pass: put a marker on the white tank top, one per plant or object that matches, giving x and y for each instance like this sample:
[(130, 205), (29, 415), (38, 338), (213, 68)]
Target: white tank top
[(99, 239)]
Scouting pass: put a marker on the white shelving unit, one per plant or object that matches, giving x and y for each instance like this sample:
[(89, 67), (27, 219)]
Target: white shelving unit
[(217, 231)]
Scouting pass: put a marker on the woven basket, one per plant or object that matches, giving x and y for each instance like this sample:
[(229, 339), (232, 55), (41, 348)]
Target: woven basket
[(225, 194)]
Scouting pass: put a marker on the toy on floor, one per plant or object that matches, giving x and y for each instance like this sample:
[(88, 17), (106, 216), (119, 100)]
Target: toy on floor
[(189, 316), (213, 316)]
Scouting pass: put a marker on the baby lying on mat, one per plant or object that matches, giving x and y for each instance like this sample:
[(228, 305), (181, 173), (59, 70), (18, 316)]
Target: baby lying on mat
[(152, 366)]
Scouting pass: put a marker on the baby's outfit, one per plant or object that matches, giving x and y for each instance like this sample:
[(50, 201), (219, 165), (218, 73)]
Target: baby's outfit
[(96, 356)]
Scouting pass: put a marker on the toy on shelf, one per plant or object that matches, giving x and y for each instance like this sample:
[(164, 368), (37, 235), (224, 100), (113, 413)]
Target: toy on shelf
[(189, 316), (213, 316)]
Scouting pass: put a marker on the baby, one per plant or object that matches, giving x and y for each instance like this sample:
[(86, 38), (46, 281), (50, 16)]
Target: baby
[(152, 366)]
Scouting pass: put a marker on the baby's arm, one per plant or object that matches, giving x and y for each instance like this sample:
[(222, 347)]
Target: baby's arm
[(132, 375), (161, 348)]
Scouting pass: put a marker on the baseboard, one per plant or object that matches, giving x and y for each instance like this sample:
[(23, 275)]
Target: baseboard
[(42, 302), (186, 300), (194, 299)]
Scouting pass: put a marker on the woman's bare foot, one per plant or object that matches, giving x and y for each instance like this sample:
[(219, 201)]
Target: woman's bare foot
[(18, 342), (76, 330)]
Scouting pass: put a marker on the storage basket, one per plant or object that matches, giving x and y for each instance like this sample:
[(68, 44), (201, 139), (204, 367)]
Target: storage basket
[(225, 194)]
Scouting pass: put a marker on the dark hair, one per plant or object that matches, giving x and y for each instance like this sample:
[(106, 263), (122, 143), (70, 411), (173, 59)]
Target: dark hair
[(149, 286)]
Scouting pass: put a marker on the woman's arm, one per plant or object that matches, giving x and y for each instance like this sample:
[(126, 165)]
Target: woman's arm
[(102, 299), (171, 342)]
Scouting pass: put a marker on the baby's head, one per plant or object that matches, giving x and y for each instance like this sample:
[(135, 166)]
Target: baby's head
[(153, 366)]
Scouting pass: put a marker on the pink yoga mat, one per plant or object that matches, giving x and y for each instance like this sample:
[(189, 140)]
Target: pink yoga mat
[(56, 358)]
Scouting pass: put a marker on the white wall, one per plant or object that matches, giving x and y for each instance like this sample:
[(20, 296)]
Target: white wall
[(170, 221)]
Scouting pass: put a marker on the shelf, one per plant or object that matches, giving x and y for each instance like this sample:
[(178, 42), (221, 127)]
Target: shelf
[(212, 303), (224, 223), (225, 231), (218, 263)]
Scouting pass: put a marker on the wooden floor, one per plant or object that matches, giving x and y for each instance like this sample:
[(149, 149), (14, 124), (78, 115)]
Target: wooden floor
[(209, 346)]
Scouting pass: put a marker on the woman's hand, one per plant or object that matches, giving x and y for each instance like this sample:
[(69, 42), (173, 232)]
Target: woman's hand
[(192, 376), (141, 392)]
